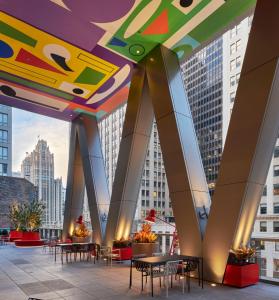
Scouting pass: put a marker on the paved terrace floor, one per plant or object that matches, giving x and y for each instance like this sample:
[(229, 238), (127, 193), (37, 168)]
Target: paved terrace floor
[(28, 272)]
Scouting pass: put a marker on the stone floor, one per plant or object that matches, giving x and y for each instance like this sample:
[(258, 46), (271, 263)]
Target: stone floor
[(28, 272)]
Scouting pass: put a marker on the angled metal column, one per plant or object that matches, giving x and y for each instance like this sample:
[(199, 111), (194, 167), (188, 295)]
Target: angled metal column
[(133, 147), (75, 185), (94, 174), (184, 169), (251, 137), (86, 168)]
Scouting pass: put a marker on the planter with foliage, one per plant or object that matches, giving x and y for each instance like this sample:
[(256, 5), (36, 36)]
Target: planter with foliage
[(26, 218), (124, 247), (240, 271), (81, 234), (144, 241)]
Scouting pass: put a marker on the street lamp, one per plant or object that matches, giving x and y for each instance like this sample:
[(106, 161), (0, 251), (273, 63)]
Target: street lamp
[(151, 218)]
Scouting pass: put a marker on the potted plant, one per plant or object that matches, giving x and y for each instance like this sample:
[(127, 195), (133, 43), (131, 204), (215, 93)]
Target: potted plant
[(124, 247), (144, 241), (241, 271), (26, 218), (80, 234)]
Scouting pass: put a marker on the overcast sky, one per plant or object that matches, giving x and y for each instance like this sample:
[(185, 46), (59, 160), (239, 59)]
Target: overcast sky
[(27, 127)]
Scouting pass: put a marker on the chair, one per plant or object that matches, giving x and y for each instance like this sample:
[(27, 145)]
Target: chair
[(146, 271), (108, 254), (91, 251), (171, 269), (68, 250), (185, 270)]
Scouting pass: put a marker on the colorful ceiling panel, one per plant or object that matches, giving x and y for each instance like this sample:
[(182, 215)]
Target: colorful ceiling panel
[(64, 57)]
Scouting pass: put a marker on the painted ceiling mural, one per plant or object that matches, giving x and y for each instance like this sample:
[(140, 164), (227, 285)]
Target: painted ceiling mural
[(63, 57)]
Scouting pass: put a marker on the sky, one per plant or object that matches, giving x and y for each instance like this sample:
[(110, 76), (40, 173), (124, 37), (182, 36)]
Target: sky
[(27, 127)]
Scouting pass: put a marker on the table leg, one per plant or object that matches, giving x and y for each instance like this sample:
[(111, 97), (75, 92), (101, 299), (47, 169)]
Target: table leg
[(131, 270), (199, 271), (202, 272), (55, 253), (151, 275)]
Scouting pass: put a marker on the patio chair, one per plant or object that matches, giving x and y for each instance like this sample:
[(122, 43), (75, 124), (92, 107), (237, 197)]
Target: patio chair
[(185, 269), (170, 270), (108, 254), (68, 250), (92, 251), (146, 271)]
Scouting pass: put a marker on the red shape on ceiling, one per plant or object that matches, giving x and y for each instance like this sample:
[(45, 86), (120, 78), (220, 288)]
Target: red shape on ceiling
[(30, 59), (159, 25)]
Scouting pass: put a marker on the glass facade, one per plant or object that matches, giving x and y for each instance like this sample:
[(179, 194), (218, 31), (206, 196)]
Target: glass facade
[(202, 74)]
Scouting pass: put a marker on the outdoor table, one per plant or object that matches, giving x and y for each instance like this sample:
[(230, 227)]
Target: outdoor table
[(154, 261), (66, 244)]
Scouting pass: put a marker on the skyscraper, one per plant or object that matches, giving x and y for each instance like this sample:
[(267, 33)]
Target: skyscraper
[(5, 140), (154, 191), (38, 167), (211, 78)]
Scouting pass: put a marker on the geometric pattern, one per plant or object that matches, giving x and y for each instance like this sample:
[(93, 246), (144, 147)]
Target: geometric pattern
[(85, 50)]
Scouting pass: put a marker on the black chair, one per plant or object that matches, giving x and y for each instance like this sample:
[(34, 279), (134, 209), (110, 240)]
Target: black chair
[(188, 266), (68, 250), (146, 271), (92, 251)]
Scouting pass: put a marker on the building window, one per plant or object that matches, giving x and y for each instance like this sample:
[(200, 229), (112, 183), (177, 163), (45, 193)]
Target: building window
[(263, 226), (276, 151), (232, 81), (262, 245), (232, 96), (275, 226), (276, 170), (232, 64), (3, 169), (238, 61), (265, 191), (263, 209), (232, 48), (276, 246), (3, 119), (276, 189), (238, 45), (3, 153), (3, 136), (263, 266), (276, 208), (142, 203), (276, 268)]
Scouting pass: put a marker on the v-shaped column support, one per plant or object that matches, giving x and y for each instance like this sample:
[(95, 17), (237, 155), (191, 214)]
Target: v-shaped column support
[(157, 85), (86, 169)]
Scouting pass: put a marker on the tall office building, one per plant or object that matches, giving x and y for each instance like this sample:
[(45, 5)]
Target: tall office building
[(211, 78), (5, 140), (203, 79), (38, 168), (154, 191)]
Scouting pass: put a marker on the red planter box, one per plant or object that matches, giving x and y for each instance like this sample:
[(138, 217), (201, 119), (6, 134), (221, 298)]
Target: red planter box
[(15, 235), (29, 243), (241, 275), (31, 236), (125, 253)]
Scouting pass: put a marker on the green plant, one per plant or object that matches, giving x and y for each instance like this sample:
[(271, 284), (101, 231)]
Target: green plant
[(242, 254), (26, 216)]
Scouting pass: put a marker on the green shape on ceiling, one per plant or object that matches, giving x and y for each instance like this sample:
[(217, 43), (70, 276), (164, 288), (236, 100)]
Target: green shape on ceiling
[(16, 34), (36, 86), (90, 76)]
